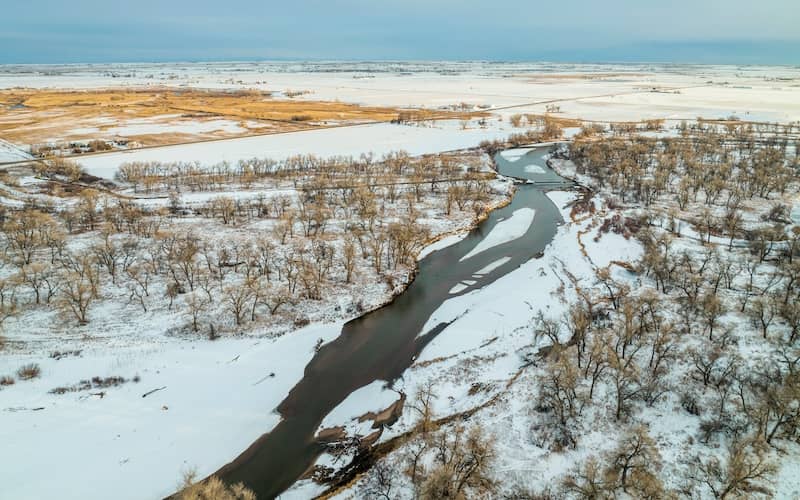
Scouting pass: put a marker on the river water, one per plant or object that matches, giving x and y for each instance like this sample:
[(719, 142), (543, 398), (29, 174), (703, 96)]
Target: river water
[(382, 344)]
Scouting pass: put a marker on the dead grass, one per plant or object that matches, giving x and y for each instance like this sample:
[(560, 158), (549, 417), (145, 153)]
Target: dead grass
[(29, 372), (211, 489), (561, 121), (30, 116)]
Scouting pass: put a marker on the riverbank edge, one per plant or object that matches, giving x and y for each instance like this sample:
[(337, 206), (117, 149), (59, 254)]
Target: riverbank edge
[(400, 289), (363, 462), (475, 222)]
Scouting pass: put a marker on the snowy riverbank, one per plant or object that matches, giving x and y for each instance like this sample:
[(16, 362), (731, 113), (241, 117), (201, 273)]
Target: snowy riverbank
[(486, 344), (215, 399), (186, 404)]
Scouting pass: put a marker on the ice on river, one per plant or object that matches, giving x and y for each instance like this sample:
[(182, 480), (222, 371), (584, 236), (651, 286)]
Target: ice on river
[(504, 231), (491, 267), (462, 286), (535, 169), (442, 243), (513, 155)]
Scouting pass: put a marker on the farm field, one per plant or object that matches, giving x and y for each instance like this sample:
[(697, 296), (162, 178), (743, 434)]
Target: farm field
[(537, 268)]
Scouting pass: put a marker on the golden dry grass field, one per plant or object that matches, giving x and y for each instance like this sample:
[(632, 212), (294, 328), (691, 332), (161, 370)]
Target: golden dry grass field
[(159, 116)]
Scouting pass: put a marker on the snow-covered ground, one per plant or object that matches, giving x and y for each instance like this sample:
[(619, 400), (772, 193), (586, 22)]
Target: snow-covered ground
[(344, 141), (478, 358), (217, 398), (374, 395), (214, 400), (588, 91), (609, 247), (491, 323), (162, 124), (10, 153)]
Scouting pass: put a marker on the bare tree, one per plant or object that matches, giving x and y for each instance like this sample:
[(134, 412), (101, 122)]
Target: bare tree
[(558, 395), (237, 298), (40, 278), (762, 312), (588, 482), (108, 253), (76, 296), (633, 463), (546, 328), (196, 305), (461, 464), (597, 360), (139, 284), (745, 470), (790, 313), (27, 232), (711, 309), (349, 255), (379, 482), (624, 376)]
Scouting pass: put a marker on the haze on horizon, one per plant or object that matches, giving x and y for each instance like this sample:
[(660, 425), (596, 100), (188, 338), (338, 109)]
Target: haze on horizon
[(692, 31)]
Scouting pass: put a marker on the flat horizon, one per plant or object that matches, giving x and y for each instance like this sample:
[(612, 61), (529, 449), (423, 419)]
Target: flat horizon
[(398, 61)]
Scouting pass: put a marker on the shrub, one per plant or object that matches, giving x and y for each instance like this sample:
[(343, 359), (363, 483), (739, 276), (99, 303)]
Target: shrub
[(6, 380), (94, 383), (779, 212), (99, 145), (624, 226), (689, 403), (582, 206), (29, 371)]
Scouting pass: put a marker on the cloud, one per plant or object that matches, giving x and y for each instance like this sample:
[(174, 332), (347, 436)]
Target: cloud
[(570, 30)]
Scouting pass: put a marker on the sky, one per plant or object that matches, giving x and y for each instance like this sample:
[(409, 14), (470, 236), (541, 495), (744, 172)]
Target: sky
[(692, 31)]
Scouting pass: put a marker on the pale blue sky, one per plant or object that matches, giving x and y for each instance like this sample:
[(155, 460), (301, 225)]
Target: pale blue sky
[(723, 31)]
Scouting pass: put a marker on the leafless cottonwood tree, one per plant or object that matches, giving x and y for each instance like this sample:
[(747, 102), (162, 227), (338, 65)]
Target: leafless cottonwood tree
[(461, 463), (744, 472)]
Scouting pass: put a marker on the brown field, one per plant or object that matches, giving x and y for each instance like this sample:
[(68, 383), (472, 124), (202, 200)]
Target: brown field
[(36, 116)]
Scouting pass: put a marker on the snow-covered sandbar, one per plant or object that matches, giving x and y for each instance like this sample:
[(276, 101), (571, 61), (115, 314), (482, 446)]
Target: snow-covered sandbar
[(504, 231)]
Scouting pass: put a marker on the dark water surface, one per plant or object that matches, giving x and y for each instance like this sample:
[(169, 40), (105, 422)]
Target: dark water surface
[(381, 345)]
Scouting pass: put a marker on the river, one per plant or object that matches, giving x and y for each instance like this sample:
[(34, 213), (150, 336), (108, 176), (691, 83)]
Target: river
[(382, 344)]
